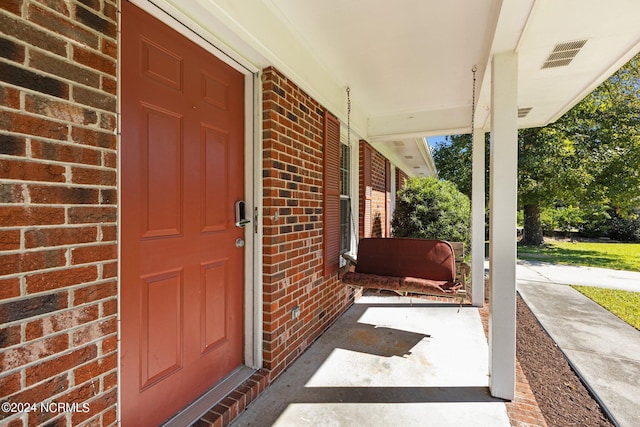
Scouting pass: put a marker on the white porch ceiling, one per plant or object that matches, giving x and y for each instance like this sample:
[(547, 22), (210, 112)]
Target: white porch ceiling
[(408, 62)]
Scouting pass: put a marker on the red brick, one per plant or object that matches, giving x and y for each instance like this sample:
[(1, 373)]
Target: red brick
[(9, 97), (94, 98), (110, 160), (31, 171), (109, 344), (10, 384), (50, 419), (108, 418), (12, 193), (110, 270), (110, 11), (92, 59), (94, 293), (109, 48), (12, 6), (50, 195), (13, 51), (30, 34), (93, 138), (61, 321), (108, 122), (95, 368), (33, 351), (9, 240), (93, 176), (87, 254), (87, 215), (110, 86), (10, 336), (31, 261), (109, 308), (62, 363), (65, 153), (110, 381), (292, 182), (59, 236), (31, 306), (94, 332), (59, 110), (95, 21), (9, 288), (61, 278), (31, 125), (109, 233), (62, 26), (96, 405)]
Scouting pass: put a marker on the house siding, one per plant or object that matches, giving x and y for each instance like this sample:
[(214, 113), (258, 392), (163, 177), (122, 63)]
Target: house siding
[(293, 225), (58, 209)]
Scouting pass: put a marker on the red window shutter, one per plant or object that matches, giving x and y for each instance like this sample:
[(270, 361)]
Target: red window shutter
[(331, 194), (387, 177), (368, 190)]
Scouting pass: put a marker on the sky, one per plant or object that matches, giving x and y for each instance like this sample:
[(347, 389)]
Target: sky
[(433, 140)]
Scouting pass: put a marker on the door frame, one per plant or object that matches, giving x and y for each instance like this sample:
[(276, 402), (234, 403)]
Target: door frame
[(184, 26)]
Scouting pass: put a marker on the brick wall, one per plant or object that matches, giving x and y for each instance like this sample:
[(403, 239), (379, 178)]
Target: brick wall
[(401, 177), (292, 209), (58, 209), (373, 220)]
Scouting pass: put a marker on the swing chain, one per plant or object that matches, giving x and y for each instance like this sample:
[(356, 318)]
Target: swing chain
[(473, 101), (349, 116)]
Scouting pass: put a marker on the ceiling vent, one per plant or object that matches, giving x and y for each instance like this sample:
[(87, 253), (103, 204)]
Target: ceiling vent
[(523, 112), (563, 54)]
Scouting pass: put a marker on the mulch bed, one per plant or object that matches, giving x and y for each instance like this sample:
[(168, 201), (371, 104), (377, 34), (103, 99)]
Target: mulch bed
[(561, 395)]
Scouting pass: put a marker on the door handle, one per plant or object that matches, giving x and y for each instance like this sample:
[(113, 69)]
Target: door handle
[(241, 216)]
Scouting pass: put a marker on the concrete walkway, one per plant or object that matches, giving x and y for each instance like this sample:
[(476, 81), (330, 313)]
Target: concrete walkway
[(388, 361), (532, 271), (603, 350)]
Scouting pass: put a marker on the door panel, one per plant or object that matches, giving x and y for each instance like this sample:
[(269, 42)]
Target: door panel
[(161, 331), (182, 276), (214, 185), (213, 308), (161, 172)]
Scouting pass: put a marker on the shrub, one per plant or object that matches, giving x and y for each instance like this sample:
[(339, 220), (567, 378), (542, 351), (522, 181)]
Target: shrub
[(597, 221), (548, 220), (625, 229), (428, 208), (562, 218)]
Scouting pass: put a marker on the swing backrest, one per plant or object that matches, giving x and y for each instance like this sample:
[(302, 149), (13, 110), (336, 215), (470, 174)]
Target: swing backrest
[(405, 257)]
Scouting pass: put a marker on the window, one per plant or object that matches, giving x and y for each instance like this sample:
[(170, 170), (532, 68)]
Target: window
[(345, 199)]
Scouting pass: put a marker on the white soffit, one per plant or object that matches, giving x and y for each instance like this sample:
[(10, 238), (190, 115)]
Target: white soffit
[(408, 62)]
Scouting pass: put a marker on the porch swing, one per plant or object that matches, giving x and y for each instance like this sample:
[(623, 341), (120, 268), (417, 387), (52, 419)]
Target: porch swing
[(408, 265), (405, 266)]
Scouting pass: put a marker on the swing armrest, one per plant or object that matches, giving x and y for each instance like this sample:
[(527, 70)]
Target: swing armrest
[(350, 258)]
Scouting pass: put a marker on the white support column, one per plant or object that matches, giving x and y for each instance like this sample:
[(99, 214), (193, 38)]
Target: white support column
[(477, 219), (503, 203)]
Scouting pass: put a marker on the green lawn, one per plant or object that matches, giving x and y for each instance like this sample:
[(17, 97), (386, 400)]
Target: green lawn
[(624, 304), (617, 256)]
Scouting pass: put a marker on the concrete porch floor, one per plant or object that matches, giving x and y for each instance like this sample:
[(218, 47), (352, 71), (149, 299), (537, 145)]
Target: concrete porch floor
[(387, 361)]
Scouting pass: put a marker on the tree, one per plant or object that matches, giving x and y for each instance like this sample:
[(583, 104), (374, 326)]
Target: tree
[(606, 129), (453, 159), (548, 171), (429, 208)]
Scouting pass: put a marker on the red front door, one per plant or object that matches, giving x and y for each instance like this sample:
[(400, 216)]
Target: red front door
[(182, 172)]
